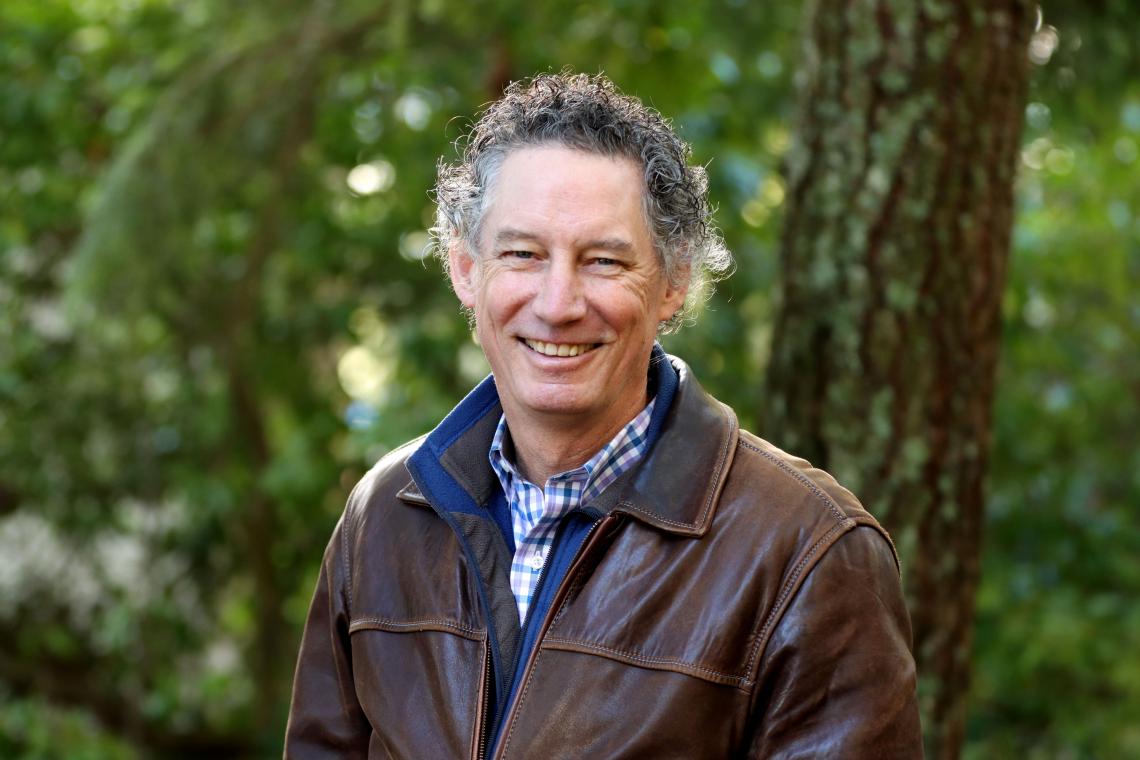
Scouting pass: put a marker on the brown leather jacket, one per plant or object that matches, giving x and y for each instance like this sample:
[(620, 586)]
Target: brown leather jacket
[(732, 601)]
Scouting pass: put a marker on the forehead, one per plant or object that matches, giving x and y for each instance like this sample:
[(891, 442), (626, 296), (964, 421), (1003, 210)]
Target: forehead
[(562, 192)]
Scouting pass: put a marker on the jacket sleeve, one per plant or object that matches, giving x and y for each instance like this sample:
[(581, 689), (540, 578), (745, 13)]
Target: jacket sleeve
[(325, 718), (838, 678)]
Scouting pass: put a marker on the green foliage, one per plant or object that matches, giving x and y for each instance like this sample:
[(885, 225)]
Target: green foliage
[(206, 304), (1056, 670), (212, 325), (34, 730)]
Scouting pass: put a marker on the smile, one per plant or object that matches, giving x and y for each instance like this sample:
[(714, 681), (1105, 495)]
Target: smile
[(559, 349)]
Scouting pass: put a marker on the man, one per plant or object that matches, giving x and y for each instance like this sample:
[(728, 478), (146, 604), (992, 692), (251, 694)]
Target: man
[(588, 558)]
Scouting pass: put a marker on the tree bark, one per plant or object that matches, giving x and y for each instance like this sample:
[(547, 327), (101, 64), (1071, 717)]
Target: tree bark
[(894, 258)]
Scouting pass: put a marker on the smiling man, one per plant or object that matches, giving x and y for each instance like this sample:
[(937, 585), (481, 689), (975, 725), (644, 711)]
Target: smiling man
[(588, 558)]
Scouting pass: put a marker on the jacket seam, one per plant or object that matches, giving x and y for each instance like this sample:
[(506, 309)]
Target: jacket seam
[(709, 498), (833, 507), (778, 609), (725, 450), (522, 699), (739, 681), (346, 568), (801, 478), (402, 626), (348, 520), (653, 516)]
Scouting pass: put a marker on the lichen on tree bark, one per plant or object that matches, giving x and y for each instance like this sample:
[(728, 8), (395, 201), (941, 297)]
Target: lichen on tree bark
[(893, 258)]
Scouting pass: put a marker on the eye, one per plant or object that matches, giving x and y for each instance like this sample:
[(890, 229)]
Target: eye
[(519, 254)]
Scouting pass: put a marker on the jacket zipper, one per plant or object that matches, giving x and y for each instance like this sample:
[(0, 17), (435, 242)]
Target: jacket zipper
[(481, 751), (530, 611), (555, 603)]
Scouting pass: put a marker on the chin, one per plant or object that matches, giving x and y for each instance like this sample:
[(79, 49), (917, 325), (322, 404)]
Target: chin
[(557, 400)]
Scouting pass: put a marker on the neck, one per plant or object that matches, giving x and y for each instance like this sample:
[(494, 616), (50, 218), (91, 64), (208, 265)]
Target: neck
[(548, 445)]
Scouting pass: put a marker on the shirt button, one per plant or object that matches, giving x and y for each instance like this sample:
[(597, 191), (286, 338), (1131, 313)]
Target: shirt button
[(536, 561)]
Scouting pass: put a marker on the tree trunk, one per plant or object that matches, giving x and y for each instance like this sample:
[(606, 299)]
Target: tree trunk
[(893, 262)]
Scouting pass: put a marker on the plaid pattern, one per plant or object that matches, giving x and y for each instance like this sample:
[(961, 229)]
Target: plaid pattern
[(535, 512)]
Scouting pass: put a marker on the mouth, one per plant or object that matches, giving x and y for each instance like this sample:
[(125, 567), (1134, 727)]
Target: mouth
[(559, 349)]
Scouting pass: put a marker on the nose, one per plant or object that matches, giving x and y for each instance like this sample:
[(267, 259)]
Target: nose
[(560, 297)]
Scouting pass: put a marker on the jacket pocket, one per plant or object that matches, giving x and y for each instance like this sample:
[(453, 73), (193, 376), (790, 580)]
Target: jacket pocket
[(420, 684), (607, 707)]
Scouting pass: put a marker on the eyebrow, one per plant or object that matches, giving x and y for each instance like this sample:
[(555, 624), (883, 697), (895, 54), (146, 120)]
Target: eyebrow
[(615, 244)]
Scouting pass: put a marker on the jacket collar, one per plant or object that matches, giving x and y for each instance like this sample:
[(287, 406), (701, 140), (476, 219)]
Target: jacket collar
[(678, 484), (673, 489)]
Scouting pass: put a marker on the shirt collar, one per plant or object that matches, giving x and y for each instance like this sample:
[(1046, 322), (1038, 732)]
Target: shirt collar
[(606, 465)]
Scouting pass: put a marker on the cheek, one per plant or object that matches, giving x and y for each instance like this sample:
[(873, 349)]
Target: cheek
[(643, 305), (499, 298), (632, 315)]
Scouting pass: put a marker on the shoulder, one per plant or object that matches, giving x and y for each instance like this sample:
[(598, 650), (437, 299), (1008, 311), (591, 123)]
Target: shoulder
[(811, 532), (793, 479), (796, 511), (379, 487)]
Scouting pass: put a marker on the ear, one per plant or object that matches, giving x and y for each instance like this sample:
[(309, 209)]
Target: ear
[(462, 270), (674, 297)]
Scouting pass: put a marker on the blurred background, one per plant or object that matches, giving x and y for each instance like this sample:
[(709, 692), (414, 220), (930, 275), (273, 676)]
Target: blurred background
[(216, 313)]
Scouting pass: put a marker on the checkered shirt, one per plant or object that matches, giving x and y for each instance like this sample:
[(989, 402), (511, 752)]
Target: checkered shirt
[(536, 512)]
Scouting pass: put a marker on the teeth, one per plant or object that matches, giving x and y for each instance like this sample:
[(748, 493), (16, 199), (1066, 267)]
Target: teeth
[(559, 349)]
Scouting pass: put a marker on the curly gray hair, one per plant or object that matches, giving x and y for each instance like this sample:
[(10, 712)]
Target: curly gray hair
[(588, 113)]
